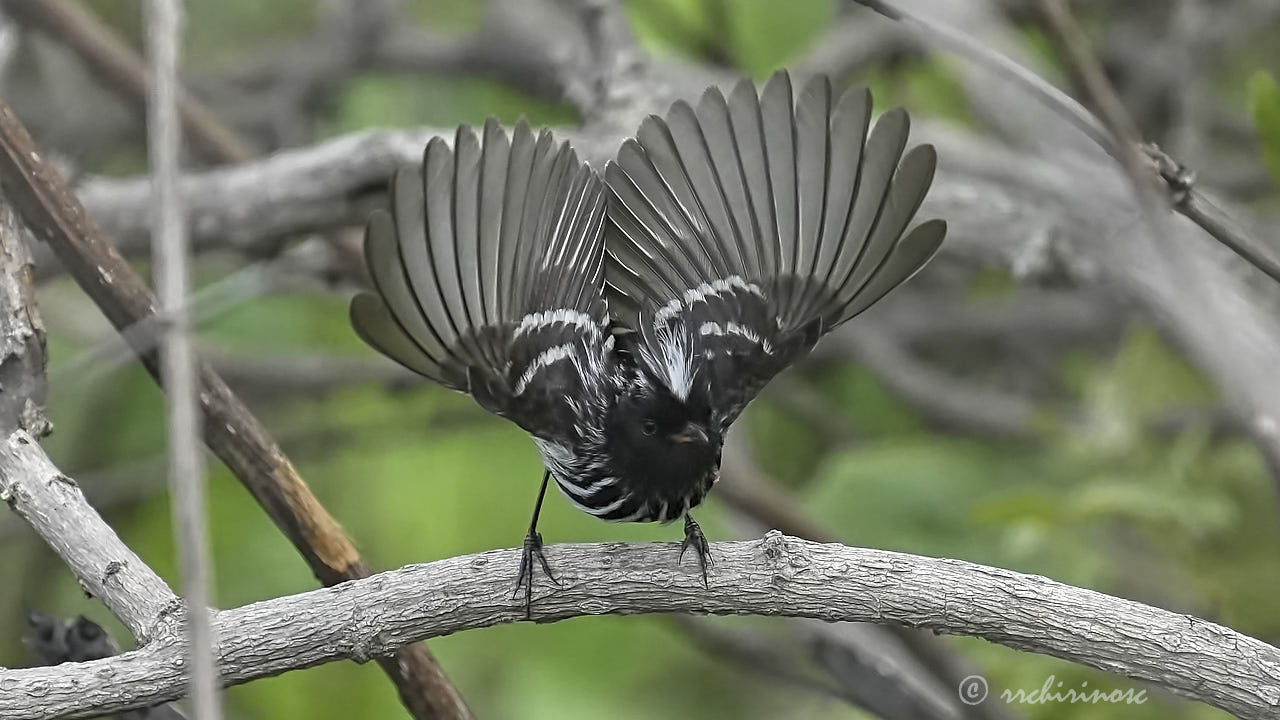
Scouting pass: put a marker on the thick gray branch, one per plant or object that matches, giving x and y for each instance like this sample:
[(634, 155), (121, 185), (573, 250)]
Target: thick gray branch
[(333, 183), (55, 507), (776, 575)]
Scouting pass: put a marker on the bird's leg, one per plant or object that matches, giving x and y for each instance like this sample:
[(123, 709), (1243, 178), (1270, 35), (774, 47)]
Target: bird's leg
[(693, 538), (532, 549)]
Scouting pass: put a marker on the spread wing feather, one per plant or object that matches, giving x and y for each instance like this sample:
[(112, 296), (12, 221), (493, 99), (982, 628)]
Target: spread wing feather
[(742, 230), (488, 272)]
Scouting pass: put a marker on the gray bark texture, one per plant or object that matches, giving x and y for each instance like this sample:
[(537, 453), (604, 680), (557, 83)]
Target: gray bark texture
[(22, 345)]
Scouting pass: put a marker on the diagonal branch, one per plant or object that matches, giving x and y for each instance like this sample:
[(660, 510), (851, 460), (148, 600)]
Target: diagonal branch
[(1123, 150), (230, 429), (777, 575), (106, 55), (55, 507)]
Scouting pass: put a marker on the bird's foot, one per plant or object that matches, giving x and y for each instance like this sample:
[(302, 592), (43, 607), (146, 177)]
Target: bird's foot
[(532, 549), (693, 538)]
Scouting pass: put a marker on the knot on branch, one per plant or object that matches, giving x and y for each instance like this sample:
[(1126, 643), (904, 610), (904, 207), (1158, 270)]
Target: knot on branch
[(784, 557)]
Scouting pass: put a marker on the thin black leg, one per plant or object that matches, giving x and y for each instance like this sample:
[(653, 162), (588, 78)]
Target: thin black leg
[(532, 549), (693, 538)]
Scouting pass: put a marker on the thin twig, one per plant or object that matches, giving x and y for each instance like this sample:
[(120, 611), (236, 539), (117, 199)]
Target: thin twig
[(1201, 210), (233, 433), (1093, 81), (1229, 235), (164, 20), (1001, 64)]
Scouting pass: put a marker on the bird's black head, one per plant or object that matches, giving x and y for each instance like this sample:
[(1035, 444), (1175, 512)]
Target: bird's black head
[(662, 443)]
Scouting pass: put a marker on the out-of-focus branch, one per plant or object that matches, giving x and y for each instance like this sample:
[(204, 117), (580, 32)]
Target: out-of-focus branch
[(1201, 298), (106, 55), (750, 494), (164, 21), (1179, 180), (776, 575), (811, 661), (958, 405), (1123, 149), (230, 429)]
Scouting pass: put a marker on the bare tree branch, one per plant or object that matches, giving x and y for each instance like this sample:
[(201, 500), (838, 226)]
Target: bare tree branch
[(22, 342), (54, 641), (230, 429), (777, 575), (55, 507)]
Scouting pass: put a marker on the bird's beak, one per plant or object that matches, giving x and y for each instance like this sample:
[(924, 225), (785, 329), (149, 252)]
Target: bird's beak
[(692, 432)]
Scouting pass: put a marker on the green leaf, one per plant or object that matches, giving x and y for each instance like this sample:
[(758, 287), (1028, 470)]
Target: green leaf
[(1264, 99)]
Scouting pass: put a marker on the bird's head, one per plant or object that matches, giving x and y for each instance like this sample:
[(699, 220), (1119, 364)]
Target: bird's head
[(659, 439)]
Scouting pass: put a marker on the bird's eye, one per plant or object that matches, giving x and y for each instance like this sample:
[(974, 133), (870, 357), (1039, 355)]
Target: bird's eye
[(649, 427)]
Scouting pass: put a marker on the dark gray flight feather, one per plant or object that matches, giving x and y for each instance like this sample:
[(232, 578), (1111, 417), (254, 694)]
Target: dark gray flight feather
[(490, 256), (743, 229)]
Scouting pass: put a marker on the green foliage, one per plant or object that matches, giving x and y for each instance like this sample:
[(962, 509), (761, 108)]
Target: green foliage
[(386, 100), (755, 36), (1264, 99)]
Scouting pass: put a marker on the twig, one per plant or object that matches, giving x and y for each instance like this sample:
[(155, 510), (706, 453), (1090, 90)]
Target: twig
[(1093, 81), (164, 20), (1074, 113), (776, 575), (54, 506), (1002, 65), (107, 56), (230, 429), (1204, 212)]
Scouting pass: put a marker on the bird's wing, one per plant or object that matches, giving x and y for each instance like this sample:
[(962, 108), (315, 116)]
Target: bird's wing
[(489, 274), (743, 229)]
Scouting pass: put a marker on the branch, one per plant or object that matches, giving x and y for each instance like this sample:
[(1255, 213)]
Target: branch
[(53, 642), (337, 181), (748, 492), (164, 20), (23, 358), (1122, 149), (108, 570), (233, 433), (107, 56), (776, 575)]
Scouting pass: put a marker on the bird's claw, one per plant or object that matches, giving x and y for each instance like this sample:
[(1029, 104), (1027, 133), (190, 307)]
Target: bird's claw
[(532, 549), (693, 538)]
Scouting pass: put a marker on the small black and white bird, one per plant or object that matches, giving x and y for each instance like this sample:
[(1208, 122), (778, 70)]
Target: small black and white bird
[(626, 324)]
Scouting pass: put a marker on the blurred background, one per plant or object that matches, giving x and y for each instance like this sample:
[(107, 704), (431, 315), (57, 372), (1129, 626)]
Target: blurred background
[(1037, 399)]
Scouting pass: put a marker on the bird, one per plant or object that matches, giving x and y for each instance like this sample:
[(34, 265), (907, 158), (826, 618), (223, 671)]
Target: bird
[(625, 319)]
